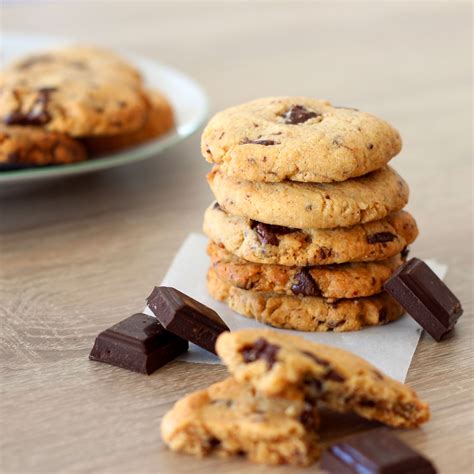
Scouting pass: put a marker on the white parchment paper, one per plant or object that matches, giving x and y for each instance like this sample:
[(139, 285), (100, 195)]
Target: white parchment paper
[(390, 347)]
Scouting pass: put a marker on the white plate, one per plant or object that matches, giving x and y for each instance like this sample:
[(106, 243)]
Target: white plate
[(187, 97)]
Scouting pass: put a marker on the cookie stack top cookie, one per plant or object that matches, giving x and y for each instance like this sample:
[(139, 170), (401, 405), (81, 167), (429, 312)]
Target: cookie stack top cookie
[(298, 139)]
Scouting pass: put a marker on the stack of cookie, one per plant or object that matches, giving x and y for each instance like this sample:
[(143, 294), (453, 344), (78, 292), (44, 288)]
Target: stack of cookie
[(308, 223), (64, 106), (268, 408)]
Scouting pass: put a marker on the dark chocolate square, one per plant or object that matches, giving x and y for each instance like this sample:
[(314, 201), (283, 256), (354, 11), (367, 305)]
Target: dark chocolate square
[(374, 452), (139, 343), (425, 297), (186, 317)]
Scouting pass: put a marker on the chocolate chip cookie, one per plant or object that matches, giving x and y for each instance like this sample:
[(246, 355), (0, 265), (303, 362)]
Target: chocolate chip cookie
[(306, 313), (30, 146), (347, 280), (299, 139), (159, 120), (311, 205), (275, 363), (230, 418), (263, 243), (79, 91)]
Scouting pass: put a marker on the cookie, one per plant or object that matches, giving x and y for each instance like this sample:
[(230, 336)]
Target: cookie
[(298, 139), (349, 280), (159, 120), (229, 418), (30, 146), (79, 91), (275, 362), (311, 205), (263, 243), (306, 313)]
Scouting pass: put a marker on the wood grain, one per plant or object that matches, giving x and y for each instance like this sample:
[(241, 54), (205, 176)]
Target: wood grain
[(80, 254)]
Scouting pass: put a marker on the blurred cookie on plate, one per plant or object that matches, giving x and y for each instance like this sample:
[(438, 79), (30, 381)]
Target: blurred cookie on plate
[(77, 90), (63, 106)]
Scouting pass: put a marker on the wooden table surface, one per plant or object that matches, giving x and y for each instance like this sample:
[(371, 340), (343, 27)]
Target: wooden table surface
[(80, 254)]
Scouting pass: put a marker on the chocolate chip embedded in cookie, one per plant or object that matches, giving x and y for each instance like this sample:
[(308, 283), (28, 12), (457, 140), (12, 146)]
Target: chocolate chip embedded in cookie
[(306, 313), (338, 379), (350, 280), (78, 91), (312, 205), (30, 146), (302, 247), (298, 139), (229, 418)]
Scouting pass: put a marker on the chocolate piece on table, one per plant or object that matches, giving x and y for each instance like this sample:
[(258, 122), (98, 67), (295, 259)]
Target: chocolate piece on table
[(186, 317), (139, 343), (374, 452), (425, 297)]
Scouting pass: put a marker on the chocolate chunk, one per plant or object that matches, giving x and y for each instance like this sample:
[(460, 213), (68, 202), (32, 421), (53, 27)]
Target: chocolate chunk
[(214, 442), (139, 343), (298, 114), (334, 376), (260, 349), (304, 284), (47, 90), (425, 297), (267, 233), (246, 141), (317, 359), (405, 252), (331, 374), (15, 118), (324, 253), (335, 324), (186, 317), (313, 387), (217, 206), (374, 452), (381, 237), (37, 114), (307, 416)]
